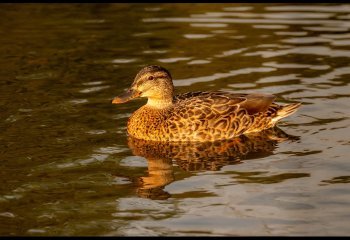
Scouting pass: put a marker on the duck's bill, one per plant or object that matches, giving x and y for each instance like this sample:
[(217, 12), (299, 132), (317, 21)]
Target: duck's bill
[(126, 96)]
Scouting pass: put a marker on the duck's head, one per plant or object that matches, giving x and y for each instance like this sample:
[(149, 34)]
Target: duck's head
[(153, 82)]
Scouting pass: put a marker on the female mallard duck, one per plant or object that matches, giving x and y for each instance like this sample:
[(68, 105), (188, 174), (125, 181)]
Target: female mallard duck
[(196, 116)]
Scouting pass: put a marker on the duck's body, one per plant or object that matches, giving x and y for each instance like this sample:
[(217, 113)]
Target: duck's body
[(197, 116), (206, 116)]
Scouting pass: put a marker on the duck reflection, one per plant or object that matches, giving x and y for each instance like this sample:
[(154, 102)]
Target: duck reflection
[(199, 156)]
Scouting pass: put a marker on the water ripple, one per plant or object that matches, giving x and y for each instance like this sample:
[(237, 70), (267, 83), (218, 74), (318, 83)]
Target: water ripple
[(231, 52), (199, 61), (205, 19), (216, 76), (278, 78), (310, 50), (284, 15), (94, 89), (209, 25), (300, 33), (270, 26), (311, 8), (198, 36), (296, 65), (243, 8), (173, 60)]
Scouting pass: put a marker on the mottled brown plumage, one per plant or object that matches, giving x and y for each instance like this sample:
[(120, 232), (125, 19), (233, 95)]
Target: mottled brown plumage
[(196, 116)]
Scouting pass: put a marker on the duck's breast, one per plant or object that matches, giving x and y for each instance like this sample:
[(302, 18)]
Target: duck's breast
[(148, 123)]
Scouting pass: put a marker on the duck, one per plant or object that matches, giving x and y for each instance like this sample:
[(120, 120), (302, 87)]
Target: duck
[(200, 116)]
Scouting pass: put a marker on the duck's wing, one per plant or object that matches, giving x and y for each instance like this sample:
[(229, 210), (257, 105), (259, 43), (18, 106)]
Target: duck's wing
[(224, 102), (257, 102), (206, 104)]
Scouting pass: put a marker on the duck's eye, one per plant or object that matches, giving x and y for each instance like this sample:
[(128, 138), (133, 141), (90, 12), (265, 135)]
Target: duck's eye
[(150, 78)]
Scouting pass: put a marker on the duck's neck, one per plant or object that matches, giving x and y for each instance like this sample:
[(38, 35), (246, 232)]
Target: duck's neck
[(159, 103)]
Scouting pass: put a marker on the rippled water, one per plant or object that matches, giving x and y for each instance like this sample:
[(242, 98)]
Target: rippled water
[(68, 168)]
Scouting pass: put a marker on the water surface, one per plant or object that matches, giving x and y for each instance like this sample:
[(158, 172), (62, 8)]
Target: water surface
[(68, 167)]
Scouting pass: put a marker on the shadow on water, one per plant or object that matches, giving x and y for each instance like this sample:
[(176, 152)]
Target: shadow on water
[(198, 156)]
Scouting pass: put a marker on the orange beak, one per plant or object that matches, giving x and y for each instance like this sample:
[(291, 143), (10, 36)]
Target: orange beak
[(126, 96)]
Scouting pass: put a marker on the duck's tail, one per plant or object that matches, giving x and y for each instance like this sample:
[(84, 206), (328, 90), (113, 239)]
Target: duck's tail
[(285, 111)]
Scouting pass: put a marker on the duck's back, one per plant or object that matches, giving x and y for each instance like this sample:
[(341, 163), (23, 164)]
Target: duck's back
[(205, 116)]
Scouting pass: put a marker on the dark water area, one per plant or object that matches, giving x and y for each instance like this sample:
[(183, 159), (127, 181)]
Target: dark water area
[(68, 168)]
